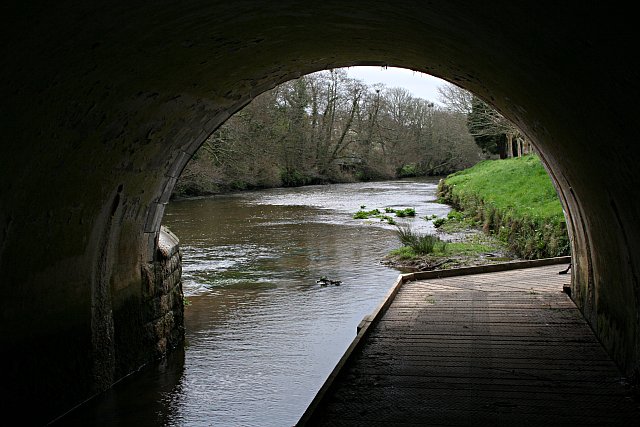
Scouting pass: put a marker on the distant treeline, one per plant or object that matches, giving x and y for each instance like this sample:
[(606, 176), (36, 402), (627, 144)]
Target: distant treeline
[(326, 127)]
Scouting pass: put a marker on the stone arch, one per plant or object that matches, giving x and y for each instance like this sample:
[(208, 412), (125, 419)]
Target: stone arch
[(104, 105)]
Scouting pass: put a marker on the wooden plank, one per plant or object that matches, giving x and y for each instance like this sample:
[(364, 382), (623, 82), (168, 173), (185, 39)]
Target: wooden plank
[(499, 348)]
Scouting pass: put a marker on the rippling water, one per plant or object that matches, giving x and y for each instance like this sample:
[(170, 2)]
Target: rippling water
[(261, 335)]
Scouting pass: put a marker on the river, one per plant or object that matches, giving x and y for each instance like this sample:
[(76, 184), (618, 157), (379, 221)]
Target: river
[(261, 335)]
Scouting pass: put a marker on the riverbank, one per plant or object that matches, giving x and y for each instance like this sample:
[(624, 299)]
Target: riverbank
[(190, 186), (470, 246), (205, 183), (504, 210), (513, 200)]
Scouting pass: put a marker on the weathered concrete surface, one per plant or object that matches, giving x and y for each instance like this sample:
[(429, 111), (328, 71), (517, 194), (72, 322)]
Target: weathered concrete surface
[(103, 103)]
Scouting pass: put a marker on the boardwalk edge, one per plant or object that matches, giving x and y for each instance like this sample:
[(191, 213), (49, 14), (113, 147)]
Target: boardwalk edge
[(370, 320)]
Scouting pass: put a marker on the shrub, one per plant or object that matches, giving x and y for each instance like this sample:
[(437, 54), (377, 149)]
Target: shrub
[(422, 244), (407, 171), (293, 178)]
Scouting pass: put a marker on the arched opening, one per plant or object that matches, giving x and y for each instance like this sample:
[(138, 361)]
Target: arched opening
[(103, 123), (261, 334)]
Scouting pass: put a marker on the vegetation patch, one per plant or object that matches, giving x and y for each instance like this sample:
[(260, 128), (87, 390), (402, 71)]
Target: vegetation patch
[(512, 199), (377, 213), (454, 222), (424, 252), (362, 214), (405, 212), (420, 244)]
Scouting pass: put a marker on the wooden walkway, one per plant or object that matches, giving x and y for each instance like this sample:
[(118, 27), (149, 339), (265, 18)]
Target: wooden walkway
[(496, 349)]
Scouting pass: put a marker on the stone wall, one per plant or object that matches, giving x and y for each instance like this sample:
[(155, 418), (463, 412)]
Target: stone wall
[(163, 297)]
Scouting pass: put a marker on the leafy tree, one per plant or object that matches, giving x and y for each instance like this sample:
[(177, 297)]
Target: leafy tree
[(484, 125)]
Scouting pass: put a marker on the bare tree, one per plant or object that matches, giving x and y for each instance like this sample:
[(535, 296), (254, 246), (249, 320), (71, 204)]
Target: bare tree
[(455, 98), (328, 127), (486, 124)]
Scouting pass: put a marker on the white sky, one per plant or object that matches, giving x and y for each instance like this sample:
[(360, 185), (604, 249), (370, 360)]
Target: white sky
[(420, 85)]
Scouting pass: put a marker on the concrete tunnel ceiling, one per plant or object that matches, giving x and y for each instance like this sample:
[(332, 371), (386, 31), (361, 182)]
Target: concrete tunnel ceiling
[(103, 104)]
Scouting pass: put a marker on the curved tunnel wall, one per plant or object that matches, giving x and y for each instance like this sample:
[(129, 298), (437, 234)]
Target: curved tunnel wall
[(103, 105)]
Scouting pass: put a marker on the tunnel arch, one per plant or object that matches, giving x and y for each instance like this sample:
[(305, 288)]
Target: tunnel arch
[(105, 105)]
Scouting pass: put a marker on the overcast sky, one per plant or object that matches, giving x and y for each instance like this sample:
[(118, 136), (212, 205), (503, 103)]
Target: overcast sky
[(420, 85)]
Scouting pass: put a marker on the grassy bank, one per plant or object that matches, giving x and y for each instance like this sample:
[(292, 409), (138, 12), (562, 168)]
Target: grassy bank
[(424, 252), (513, 199)]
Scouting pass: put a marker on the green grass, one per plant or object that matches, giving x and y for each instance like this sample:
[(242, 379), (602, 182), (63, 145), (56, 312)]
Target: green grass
[(514, 199), (469, 248), (420, 244), (454, 222), (520, 185), (406, 253), (472, 247)]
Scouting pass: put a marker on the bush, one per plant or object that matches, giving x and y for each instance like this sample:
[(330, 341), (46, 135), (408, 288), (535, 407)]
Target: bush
[(422, 244), (294, 178), (407, 171)]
